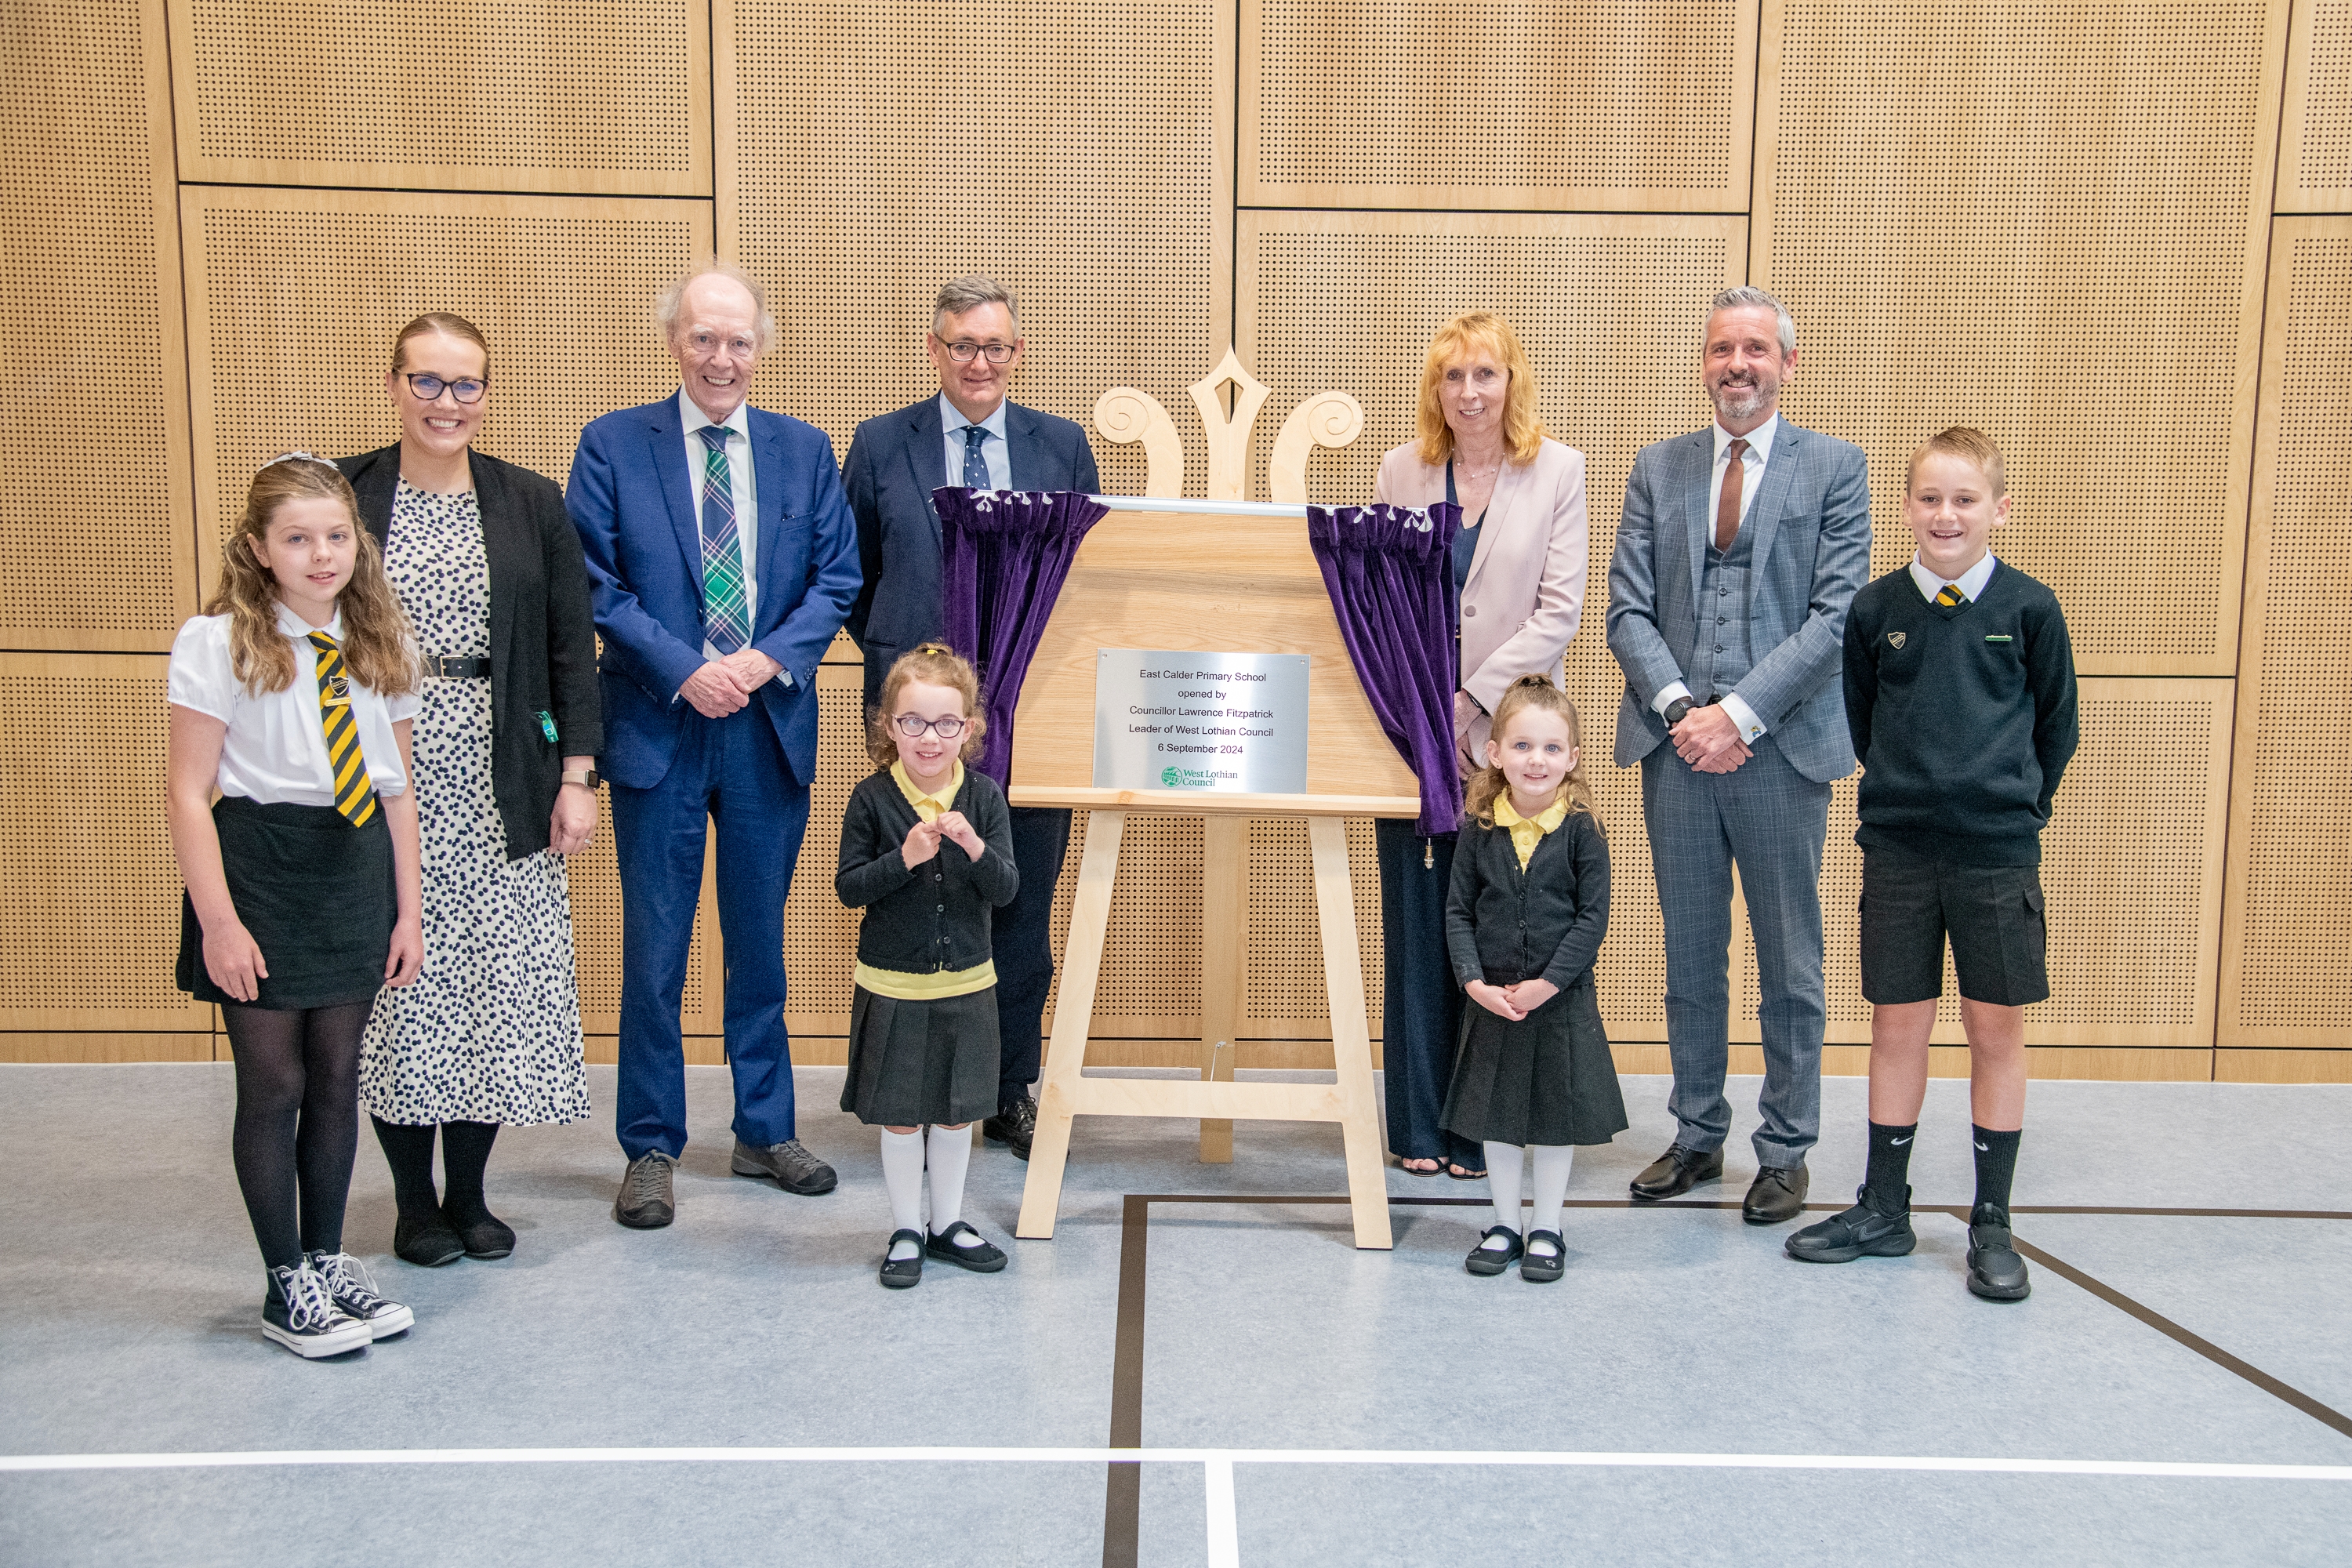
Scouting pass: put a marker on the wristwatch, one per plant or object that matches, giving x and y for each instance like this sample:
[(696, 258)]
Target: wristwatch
[(1676, 712), (588, 776)]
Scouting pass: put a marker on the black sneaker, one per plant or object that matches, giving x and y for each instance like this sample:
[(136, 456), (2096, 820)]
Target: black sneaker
[(353, 1290), (1013, 1125), (300, 1313), (1995, 1271), (1860, 1232)]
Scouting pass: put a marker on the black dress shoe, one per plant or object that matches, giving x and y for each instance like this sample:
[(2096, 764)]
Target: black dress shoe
[(1485, 1260), (1677, 1172), (484, 1234), (898, 1273), (1995, 1271), (983, 1258), (790, 1162), (1537, 1269), (1860, 1232), (428, 1243), (1777, 1195), (1013, 1125)]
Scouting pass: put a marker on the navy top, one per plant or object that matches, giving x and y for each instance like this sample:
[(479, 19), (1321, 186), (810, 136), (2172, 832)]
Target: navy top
[(1465, 549)]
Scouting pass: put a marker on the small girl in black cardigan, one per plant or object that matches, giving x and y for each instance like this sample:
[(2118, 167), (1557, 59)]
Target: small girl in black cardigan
[(1524, 919), (926, 851)]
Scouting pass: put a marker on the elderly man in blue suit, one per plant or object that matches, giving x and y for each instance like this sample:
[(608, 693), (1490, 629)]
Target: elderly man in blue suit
[(1738, 551), (722, 559), (970, 434)]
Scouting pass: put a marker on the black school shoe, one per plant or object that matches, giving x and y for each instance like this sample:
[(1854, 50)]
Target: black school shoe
[(1537, 1269), (428, 1243), (1995, 1271), (1013, 1125), (1485, 1260), (1860, 1232), (983, 1258), (899, 1273), (482, 1233)]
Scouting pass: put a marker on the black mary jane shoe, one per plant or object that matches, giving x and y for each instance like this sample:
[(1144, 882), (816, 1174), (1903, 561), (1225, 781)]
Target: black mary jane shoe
[(428, 1243), (981, 1258), (900, 1273), (1537, 1269), (1485, 1260)]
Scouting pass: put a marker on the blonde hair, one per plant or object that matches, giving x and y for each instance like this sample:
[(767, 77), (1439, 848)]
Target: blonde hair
[(1974, 447), (1479, 331), (442, 323), (1489, 785), (379, 645), (933, 664)]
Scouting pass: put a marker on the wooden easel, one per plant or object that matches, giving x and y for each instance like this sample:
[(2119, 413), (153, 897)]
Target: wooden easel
[(1210, 576)]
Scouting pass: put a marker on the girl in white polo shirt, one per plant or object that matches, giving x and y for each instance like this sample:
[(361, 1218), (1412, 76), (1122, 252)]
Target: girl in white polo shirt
[(291, 695)]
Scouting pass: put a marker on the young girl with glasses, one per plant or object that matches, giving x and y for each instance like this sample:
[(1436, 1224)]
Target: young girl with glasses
[(927, 852)]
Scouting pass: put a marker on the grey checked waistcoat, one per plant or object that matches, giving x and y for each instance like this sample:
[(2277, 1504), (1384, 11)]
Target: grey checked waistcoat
[(1722, 654)]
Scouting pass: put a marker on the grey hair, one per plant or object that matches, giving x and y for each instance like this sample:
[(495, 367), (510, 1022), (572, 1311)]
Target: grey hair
[(964, 294), (673, 299), (1744, 299)]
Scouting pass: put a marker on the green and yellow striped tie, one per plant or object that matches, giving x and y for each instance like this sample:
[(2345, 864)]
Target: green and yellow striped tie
[(1952, 596), (354, 795)]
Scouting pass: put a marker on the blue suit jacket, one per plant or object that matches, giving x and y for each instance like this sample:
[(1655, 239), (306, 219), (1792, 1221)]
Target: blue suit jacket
[(1811, 524), (637, 509), (896, 461)]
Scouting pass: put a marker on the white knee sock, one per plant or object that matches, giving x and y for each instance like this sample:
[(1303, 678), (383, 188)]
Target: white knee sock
[(950, 1157), (1503, 1165), (902, 1174), (1552, 1163)]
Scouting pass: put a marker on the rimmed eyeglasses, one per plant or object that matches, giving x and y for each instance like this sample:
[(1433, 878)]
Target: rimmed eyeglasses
[(912, 726), (964, 353), (428, 388)]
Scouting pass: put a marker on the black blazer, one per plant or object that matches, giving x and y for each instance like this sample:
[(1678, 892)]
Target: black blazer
[(1504, 925), (896, 461), (935, 916), (542, 633)]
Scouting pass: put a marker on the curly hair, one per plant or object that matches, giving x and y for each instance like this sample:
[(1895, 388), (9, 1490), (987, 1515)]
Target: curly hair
[(933, 664), (1488, 784), (1480, 332)]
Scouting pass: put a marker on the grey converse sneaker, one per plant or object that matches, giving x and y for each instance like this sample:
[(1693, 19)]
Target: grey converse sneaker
[(353, 1290), (300, 1314)]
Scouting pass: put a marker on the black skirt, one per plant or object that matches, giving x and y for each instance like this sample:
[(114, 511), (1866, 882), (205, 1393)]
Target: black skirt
[(912, 1063), (316, 893), (1548, 1079)]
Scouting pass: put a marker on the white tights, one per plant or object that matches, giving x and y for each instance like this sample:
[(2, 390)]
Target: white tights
[(903, 1161), (1504, 1163)]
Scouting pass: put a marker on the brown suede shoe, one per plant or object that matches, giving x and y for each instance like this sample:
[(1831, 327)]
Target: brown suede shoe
[(646, 1201), (790, 1162)]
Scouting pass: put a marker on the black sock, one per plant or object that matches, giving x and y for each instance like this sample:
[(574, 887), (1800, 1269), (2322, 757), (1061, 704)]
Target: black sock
[(1888, 1187), (465, 1155), (1996, 1167), (409, 1151)]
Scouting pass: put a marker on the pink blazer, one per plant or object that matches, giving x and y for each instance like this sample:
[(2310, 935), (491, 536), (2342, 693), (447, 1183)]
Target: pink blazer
[(1526, 592)]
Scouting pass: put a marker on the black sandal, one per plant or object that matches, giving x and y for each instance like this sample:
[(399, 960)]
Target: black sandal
[(1485, 1260), (1537, 1269), (985, 1258), (1454, 1169), (1437, 1162), (899, 1273)]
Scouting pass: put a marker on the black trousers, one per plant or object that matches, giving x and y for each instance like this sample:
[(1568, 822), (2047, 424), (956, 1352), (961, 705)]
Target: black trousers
[(1421, 1008), (1022, 947)]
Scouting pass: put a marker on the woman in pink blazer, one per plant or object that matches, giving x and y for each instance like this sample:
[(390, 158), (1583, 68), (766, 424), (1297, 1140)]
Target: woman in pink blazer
[(1518, 579)]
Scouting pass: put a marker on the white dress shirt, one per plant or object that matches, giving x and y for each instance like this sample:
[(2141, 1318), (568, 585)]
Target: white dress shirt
[(743, 479), (1751, 479), (1970, 581), (276, 747), (996, 450)]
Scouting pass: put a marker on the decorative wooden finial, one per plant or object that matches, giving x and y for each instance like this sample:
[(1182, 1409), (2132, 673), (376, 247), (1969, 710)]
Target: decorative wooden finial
[(1124, 415), (1229, 437), (1327, 419)]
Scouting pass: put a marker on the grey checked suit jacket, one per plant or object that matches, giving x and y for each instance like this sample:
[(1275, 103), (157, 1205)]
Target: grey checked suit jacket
[(1811, 554)]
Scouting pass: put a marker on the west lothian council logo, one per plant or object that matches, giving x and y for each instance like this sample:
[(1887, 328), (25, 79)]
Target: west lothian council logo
[(1894, 639), (1170, 778)]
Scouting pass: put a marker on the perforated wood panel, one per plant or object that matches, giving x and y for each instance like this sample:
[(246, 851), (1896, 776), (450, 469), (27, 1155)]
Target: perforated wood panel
[(294, 298), (1552, 105), (2048, 221), (595, 877), (93, 437), (868, 154), (820, 935), (2287, 942), (2314, 164), (91, 927), (571, 96)]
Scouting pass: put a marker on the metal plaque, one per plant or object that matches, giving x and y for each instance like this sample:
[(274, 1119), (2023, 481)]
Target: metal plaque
[(1167, 720)]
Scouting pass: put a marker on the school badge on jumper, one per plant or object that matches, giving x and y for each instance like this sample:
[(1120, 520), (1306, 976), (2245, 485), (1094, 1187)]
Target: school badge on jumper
[(1894, 639)]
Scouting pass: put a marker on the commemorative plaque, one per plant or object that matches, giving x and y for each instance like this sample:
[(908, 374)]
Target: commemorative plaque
[(1173, 720)]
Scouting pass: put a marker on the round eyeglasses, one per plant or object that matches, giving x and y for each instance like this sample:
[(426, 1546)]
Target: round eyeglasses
[(995, 354), (912, 726), (465, 389)]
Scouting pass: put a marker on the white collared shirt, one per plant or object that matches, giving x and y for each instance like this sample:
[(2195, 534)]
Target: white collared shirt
[(1970, 581), (742, 479), (276, 747), (1751, 479), (996, 451)]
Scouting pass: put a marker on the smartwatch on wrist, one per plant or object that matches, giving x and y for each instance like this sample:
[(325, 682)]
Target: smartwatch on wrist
[(1676, 712), (589, 777)]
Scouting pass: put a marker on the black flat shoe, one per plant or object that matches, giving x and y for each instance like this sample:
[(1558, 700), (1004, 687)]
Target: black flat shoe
[(1995, 1271), (428, 1243), (1677, 1172), (1485, 1260), (1537, 1269), (483, 1235), (985, 1258), (1776, 1196), (899, 1273)]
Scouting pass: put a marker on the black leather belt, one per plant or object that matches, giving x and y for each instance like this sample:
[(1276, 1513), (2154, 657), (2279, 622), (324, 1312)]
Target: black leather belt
[(457, 668)]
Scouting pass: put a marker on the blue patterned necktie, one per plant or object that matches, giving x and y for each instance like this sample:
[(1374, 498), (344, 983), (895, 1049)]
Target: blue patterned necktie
[(726, 612), (975, 467)]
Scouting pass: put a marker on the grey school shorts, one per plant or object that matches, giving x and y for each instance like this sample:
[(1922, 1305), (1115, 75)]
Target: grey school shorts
[(1993, 915)]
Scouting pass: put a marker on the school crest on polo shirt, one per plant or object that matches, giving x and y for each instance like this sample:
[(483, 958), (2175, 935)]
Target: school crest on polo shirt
[(1894, 639)]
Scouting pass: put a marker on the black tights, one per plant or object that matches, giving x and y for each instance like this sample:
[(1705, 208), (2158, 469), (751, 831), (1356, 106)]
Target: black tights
[(465, 1155), (298, 1123)]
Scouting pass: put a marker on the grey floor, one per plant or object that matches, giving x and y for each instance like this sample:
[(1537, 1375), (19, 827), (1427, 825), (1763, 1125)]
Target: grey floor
[(129, 1299)]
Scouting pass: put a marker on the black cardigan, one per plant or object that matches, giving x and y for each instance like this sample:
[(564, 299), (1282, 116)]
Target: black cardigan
[(542, 633), (935, 916), (1504, 925)]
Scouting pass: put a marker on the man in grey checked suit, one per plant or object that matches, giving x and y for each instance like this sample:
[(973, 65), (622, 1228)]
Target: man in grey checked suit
[(1739, 549)]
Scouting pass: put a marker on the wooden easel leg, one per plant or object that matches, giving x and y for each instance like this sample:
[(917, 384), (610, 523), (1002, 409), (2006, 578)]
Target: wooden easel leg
[(1352, 1038), (1074, 1011), (1225, 913)]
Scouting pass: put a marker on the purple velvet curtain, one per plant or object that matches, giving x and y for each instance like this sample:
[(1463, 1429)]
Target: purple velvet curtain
[(1004, 555), (1388, 570)]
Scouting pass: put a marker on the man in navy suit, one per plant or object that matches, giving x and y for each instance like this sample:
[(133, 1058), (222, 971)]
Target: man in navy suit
[(967, 435), (722, 559)]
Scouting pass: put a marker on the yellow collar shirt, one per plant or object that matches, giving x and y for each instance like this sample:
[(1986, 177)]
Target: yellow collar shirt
[(1527, 832), (929, 807), (939, 986)]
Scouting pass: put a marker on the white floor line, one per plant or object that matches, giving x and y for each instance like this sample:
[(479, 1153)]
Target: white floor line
[(1224, 1525)]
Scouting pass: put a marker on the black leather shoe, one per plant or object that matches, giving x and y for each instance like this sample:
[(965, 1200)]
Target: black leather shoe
[(1537, 1269), (483, 1233), (1677, 1172), (1015, 1126), (1485, 1260), (428, 1243), (899, 1273), (1860, 1232), (1776, 1196), (646, 1201), (985, 1258), (793, 1167), (1995, 1271)]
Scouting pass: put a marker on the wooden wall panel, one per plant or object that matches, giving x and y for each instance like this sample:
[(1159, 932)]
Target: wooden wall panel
[(573, 96), (2286, 947), (94, 434), (2315, 163), (1550, 106), (2048, 221)]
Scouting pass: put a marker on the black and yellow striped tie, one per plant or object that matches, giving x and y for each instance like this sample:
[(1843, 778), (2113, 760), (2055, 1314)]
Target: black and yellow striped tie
[(1952, 596), (354, 795)]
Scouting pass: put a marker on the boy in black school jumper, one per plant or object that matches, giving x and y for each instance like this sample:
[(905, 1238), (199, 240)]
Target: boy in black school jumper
[(1959, 689)]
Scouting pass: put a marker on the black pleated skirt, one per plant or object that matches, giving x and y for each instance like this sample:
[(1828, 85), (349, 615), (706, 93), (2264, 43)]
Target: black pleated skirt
[(317, 896), (1547, 1078), (917, 1062)]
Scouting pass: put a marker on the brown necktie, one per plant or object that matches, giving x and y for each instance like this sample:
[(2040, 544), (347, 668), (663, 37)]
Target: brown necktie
[(1727, 509)]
